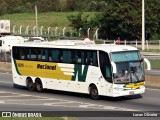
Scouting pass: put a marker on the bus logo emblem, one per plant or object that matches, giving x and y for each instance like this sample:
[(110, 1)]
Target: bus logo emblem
[(20, 65)]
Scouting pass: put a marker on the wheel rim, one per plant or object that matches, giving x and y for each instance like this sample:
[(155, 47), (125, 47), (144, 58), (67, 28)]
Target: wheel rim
[(39, 86), (94, 93), (30, 85)]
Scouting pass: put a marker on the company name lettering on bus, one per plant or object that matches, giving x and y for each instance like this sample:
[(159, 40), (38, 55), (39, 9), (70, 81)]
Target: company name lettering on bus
[(48, 67), (20, 65)]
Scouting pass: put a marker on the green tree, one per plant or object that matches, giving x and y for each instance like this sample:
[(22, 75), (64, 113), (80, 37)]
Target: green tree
[(152, 16), (123, 19), (78, 21), (3, 7), (120, 19)]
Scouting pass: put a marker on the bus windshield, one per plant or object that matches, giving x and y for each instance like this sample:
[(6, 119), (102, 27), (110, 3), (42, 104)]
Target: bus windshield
[(129, 67)]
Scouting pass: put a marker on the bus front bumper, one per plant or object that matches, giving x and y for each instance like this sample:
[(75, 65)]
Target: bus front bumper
[(127, 92)]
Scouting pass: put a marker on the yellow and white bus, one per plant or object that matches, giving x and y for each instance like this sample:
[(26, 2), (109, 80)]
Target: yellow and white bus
[(79, 66)]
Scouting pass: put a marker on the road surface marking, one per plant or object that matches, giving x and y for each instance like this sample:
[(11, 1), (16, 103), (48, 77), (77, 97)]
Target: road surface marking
[(46, 101), (6, 82)]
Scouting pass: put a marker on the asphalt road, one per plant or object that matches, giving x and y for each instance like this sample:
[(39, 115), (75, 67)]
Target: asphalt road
[(20, 99)]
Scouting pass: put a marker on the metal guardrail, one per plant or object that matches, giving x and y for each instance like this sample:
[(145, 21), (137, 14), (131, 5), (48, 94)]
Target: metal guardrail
[(149, 44)]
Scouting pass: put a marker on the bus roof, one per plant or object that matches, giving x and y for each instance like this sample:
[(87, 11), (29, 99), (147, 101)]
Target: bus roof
[(78, 44)]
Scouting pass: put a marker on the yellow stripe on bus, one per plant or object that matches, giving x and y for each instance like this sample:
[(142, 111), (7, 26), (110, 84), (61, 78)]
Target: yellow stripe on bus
[(41, 69), (136, 85)]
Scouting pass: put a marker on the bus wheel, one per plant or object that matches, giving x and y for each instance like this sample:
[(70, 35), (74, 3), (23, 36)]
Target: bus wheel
[(30, 85), (39, 86), (94, 92)]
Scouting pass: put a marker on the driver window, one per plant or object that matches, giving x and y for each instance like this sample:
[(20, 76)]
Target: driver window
[(105, 66)]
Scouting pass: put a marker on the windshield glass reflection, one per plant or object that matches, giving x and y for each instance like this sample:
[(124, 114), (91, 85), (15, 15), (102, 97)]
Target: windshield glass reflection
[(129, 67)]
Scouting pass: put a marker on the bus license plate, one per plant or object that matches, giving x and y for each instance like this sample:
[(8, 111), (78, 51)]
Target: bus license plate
[(131, 92)]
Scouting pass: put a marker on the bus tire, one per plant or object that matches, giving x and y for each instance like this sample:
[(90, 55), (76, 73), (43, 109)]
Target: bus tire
[(14, 86), (30, 85), (39, 86), (94, 92)]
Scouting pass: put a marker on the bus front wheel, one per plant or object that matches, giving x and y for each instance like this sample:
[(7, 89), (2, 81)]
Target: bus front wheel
[(94, 92), (30, 85), (39, 86)]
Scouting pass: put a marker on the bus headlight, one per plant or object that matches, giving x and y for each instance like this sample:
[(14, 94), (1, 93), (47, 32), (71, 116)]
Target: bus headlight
[(118, 87)]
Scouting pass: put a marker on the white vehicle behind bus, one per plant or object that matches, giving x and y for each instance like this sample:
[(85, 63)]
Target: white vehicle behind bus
[(7, 42), (79, 66)]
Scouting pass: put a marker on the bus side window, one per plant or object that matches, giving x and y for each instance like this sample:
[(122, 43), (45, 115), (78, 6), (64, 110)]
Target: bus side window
[(27, 53), (105, 66), (50, 57), (95, 62), (73, 57), (33, 54), (22, 54), (78, 56), (89, 58), (83, 57), (67, 56), (60, 56), (55, 55), (44, 54), (39, 54), (16, 53)]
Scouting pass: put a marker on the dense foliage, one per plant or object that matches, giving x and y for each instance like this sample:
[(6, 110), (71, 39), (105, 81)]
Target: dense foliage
[(123, 18), (115, 18), (19, 6)]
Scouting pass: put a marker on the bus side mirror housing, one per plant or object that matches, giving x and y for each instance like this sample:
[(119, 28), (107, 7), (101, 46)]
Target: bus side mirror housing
[(148, 63), (114, 67)]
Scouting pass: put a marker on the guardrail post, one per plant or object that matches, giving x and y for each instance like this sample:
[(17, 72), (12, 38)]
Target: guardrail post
[(136, 43), (147, 44), (20, 30), (71, 33), (64, 31), (88, 32), (125, 42), (48, 30), (27, 29), (80, 31), (41, 30), (97, 33), (56, 31), (159, 44), (14, 28), (34, 30)]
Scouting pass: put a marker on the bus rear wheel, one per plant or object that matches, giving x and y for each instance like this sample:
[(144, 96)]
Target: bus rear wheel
[(30, 85), (94, 92), (39, 86)]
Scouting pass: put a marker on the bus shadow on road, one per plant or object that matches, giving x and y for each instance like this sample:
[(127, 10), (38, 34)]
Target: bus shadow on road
[(19, 87), (81, 95), (122, 98)]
